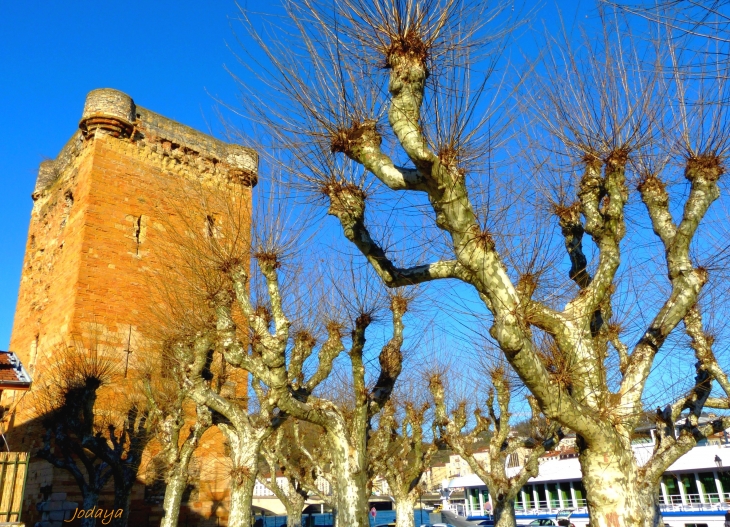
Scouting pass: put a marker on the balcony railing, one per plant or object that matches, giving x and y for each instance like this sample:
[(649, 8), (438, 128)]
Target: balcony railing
[(694, 503)]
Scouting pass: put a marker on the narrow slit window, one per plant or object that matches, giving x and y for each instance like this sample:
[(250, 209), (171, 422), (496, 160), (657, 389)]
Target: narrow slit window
[(140, 232)]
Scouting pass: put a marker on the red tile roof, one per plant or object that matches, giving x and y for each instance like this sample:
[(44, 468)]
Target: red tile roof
[(12, 374)]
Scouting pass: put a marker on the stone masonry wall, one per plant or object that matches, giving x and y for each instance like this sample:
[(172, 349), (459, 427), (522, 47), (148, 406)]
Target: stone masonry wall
[(96, 244)]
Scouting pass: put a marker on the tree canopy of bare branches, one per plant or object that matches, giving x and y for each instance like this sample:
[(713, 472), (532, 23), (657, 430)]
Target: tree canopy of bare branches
[(377, 102), (502, 442)]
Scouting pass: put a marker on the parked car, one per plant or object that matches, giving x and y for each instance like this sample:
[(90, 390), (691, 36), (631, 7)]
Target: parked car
[(544, 522)]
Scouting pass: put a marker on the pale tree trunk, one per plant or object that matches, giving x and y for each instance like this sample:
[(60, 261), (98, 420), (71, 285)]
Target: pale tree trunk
[(244, 458), (174, 491), (504, 513), (294, 504), (578, 394), (294, 515), (404, 511), (347, 431), (244, 434), (241, 498), (502, 490), (610, 477), (169, 421), (351, 481), (352, 500), (401, 458), (293, 495), (649, 502)]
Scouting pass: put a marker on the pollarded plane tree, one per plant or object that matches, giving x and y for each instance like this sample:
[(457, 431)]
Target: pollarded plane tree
[(283, 456), (277, 357), (503, 484), (307, 460), (401, 455), (328, 109), (177, 433), (244, 428), (203, 241)]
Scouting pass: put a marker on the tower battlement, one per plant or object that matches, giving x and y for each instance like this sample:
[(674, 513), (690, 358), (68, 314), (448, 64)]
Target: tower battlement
[(114, 113)]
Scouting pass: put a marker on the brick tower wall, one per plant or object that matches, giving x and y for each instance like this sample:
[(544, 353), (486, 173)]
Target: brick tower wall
[(98, 238)]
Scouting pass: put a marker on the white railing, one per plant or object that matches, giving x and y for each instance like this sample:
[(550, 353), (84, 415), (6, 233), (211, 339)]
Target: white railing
[(716, 497), (694, 506), (713, 501), (553, 505)]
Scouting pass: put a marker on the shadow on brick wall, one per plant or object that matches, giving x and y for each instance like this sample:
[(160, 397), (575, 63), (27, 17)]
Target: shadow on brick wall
[(52, 495)]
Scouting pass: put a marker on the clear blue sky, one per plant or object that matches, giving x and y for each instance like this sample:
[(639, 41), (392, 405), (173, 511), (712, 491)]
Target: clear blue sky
[(168, 56)]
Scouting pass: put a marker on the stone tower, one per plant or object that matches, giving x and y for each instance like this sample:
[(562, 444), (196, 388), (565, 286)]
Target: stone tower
[(95, 238)]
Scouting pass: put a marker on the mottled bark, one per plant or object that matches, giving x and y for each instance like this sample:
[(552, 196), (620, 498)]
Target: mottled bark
[(167, 419), (279, 452), (579, 397), (244, 431), (649, 500), (178, 464), (610, 479), (244, 449), (348, 475), (294, 515), (504, 513), (610, 117), (404, 506), (240, 513), (176, 484)]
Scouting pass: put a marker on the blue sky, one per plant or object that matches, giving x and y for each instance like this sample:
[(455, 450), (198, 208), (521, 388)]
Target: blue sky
[(168, 56)]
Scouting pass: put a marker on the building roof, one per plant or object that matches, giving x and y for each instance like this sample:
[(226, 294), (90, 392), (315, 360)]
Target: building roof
[(12, 374)]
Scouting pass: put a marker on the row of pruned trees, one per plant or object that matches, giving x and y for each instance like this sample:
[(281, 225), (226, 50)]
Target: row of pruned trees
[(321, 367), (603, 159)]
